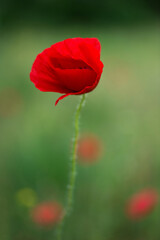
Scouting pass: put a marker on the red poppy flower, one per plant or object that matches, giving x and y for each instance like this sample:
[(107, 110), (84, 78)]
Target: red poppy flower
[(89, 148), (142, 203), (71, 67), (47, 214)]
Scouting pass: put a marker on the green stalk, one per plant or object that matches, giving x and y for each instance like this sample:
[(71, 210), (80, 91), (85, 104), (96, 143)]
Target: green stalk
[(72, 178)]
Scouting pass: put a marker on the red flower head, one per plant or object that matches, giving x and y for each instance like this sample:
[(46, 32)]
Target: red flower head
[(142, 203), (72, 67), (47, 213), (89, 148)]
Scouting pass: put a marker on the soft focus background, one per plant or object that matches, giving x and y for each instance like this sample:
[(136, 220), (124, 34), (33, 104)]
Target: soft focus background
[(123, 112)]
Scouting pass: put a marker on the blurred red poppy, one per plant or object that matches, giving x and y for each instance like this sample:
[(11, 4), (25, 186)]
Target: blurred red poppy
[(142, 203), (72, 67), (89, 148), (47, 213)]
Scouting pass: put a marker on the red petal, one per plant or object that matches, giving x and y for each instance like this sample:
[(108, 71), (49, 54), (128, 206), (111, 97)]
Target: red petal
[(86, 49), (60, 98), (76, 80), (43, 75)]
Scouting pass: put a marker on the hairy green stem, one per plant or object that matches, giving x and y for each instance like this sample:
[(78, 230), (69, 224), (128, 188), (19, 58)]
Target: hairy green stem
[(72, 178)]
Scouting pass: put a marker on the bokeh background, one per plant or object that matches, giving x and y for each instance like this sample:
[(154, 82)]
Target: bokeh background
[(123, 112)]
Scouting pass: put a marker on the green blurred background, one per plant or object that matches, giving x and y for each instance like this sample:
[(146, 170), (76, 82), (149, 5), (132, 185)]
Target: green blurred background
[(123, 111)]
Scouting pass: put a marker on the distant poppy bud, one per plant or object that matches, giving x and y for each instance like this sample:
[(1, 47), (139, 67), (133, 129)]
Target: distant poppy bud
[(72, 67), (89, 149), (142, 203), (47, 214), (26, 197)]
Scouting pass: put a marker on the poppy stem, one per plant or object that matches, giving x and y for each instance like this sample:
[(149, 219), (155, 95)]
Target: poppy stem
[(72, 178)]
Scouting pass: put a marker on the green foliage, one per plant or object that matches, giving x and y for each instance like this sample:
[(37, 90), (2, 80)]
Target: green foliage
[(36, 136), (60, 12)]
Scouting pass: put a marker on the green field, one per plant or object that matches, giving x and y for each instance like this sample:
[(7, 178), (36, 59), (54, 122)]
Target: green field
[(123, 111)]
